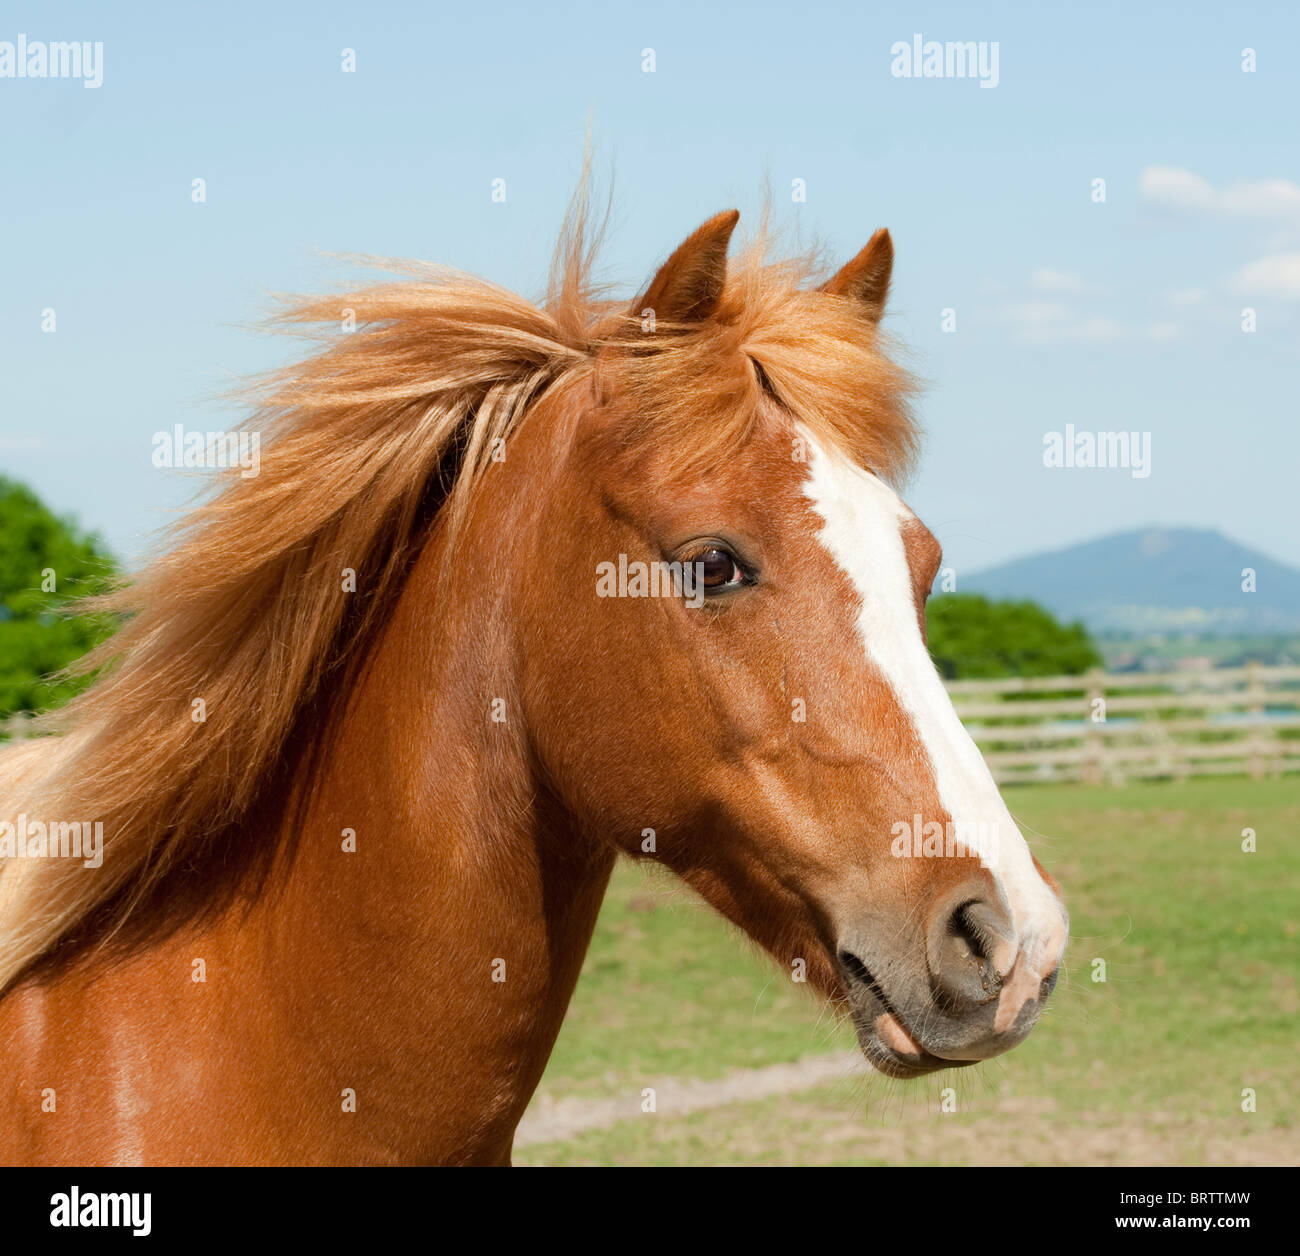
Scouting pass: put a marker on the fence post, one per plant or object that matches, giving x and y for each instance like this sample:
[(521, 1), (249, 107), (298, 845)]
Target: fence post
[(1093, 738), (1255, 711), (16, 725)]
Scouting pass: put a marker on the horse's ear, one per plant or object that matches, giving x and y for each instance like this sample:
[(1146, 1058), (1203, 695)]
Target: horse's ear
[(689, 284), (866, 278)]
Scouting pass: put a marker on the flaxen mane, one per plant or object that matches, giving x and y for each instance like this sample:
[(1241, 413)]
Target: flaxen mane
[(247, 612)]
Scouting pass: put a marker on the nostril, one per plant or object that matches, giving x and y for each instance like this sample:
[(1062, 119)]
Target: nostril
[(1049, 982), (965, 946), (986, 930), (966, 931)]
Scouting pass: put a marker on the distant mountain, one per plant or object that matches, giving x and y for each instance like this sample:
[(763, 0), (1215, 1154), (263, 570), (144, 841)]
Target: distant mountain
[(1156, 580)]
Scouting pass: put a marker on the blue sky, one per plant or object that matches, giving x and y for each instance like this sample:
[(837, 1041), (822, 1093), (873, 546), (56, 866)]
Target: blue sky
[(1122, 315)]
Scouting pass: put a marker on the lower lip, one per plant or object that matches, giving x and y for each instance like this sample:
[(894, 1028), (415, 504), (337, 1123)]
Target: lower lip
[(891, 1032)]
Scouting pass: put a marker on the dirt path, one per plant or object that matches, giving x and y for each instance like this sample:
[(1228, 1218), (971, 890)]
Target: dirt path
[(831, 1128), (553, 1120)]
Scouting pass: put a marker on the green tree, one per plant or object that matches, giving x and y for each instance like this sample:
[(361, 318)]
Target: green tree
[(973, 638), (46, 564)]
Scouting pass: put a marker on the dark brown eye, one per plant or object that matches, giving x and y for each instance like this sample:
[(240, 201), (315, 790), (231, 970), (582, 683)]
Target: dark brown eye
[(717, 568)]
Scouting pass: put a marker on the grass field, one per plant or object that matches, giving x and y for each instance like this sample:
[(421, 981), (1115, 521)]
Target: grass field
[(1199, 1002)]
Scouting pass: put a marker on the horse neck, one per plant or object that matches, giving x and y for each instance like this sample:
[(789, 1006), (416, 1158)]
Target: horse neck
[(444, 949)]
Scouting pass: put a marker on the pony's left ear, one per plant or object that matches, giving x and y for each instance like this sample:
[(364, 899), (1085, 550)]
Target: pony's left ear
[(689, 284), (866, 278)]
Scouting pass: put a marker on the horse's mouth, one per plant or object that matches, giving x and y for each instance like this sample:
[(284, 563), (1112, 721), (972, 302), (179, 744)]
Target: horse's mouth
[(888, 1044), (903, 1067)]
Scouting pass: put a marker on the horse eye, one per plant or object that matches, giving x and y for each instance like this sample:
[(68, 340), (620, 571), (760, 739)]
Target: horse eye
[(718, 568)]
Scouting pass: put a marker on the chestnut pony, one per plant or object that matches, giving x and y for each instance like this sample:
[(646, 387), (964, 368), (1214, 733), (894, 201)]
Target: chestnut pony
[(369, 740)]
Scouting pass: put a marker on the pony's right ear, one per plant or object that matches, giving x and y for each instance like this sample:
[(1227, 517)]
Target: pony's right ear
[(866, 278), (689, 284)]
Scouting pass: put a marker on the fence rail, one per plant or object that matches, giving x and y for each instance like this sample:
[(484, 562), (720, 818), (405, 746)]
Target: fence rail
[(1106, 728), (1103, 728)]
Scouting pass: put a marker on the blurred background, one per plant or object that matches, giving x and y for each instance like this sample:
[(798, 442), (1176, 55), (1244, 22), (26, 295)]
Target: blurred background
[(1097, 223)]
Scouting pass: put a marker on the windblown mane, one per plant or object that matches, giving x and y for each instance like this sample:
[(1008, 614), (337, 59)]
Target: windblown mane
[(362, 445)]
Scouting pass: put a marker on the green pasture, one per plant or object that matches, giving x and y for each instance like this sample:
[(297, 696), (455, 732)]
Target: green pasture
[(1199, 1002)]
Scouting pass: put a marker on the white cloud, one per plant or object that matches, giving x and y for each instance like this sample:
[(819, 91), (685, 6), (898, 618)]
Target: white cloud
[(1098, 328), (1050, 322), (1045, 279), (1277, 275), (1090, 330), (1042, 320), (1171, 185), (1181, 189), (1038, 312), (1269, 198)]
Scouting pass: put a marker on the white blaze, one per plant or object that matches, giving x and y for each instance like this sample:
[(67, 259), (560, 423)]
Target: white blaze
[(863, 533)]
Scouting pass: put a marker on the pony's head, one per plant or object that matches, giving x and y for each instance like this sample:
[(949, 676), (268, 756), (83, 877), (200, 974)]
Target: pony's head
[(724, 663), (669, 534)]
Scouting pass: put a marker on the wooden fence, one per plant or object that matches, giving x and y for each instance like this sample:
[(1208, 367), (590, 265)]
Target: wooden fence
[(1102, 728)]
